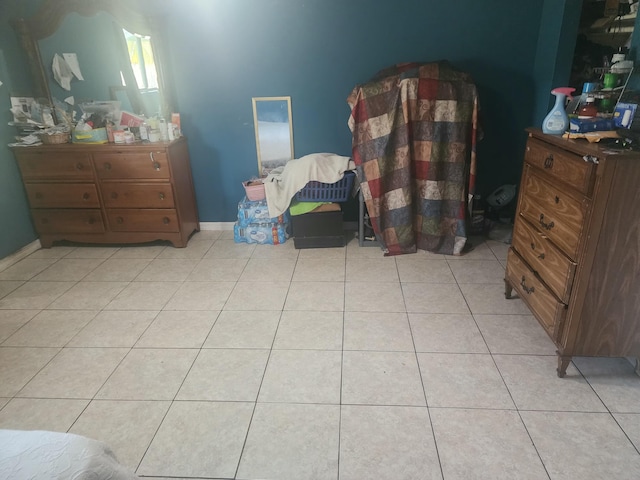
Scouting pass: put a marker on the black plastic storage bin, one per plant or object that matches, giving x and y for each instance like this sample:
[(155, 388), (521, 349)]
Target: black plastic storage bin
[(318, 230), (327, 192)]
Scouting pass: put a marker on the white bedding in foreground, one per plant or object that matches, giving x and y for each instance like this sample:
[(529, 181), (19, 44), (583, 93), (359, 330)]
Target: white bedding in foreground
[(27, 455)]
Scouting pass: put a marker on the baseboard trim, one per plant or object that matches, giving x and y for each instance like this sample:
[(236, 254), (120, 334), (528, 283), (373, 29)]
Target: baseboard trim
[(18, 255), (216, 225)]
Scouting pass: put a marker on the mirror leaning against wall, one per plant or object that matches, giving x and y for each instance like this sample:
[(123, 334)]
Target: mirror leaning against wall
[(120, 53), (274, 132)]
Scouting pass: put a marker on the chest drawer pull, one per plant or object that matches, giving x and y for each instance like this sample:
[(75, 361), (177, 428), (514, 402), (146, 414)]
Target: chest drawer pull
[(107, 166), (79, 166), (548, 162), (85, 196), (546, 226), (156, 166), (120, 220), (91, 221), (39, 195), (165, 220), (114, 195), (161, 196), (526, 289)]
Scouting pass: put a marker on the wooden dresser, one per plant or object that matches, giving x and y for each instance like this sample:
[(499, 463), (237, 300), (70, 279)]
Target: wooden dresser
[(110, 193), (575, 255)]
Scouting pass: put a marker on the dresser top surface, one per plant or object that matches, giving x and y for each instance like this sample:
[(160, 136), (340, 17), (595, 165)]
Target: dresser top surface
[(99, 148), (582, 146)]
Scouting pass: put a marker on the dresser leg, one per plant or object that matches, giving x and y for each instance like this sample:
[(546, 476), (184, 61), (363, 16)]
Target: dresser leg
[(507, 289), (563, 363), (46, 242)]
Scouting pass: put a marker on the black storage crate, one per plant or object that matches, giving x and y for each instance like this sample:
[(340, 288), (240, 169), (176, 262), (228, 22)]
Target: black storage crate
[(318, 230)]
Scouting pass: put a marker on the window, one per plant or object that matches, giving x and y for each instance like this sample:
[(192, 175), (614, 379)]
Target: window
[(142, 61)]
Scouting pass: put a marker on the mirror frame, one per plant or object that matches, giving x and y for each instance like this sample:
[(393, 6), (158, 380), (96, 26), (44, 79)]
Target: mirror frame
[(46, 21), (254, 101)]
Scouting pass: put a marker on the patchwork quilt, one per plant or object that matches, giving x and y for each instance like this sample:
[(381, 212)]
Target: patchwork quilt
[(414, 136)]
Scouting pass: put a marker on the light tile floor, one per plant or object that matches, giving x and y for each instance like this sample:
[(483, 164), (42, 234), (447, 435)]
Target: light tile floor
[(228, 361)]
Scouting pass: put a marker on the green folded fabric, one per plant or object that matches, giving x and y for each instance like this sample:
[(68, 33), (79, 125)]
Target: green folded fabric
[(299, 208)]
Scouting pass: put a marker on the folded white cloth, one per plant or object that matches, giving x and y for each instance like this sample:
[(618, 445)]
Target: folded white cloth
[(283, 183), (57, 456)]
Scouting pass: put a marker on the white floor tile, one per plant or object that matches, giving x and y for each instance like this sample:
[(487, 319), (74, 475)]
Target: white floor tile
[(126, 426), (309, 330), (51, 414), (387, 443), (243, 329), (381, 378), (199, 439), (463, 381), (485, 444), (588, 446), (302, 376), (149, 374), (292, 442)]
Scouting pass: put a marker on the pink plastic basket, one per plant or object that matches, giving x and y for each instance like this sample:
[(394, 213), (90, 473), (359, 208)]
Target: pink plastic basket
[(255, 191)]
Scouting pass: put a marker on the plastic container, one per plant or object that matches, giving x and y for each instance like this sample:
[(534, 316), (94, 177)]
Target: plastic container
[(327, 192), (255, 191), (97, 135), (257, 212), (262, 233)]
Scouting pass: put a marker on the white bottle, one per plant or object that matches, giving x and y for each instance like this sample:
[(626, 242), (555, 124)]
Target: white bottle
[(144, 131), (164, 130)]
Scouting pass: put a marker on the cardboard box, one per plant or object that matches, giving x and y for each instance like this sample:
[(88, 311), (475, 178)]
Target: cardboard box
[(584, 125)]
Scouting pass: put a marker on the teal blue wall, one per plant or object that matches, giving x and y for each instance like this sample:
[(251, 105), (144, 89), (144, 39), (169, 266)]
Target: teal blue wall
[(226, 51), (223, 52), (15, 223), (556, 43)]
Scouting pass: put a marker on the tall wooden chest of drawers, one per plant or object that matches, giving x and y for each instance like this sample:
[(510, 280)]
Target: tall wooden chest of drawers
[(110, 193), (575, 255)]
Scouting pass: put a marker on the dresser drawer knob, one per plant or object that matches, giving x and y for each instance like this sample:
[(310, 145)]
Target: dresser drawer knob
[(557, 199), (156, 166), (161, 196), (120, 220), (546, 226), (114, 195), (107, 166), (85, 196), (39, 195), (527, 290), (548, 162), (91, 221), (79, 166), (165, 220)]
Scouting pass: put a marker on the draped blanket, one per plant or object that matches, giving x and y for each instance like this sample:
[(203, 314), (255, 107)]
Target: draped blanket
[(414, 135)]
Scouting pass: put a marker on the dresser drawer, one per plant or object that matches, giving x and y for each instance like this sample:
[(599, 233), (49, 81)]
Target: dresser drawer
[(564, 166), (62, 195), (68, 221), (63, 165), (554, 268), (137, 195), (556, 214), (549, 311), (148, 165), (140, 220)]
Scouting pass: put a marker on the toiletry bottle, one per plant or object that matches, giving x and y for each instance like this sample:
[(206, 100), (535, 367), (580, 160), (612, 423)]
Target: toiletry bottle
[(144, 130), (557, 121), (164, 130)]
